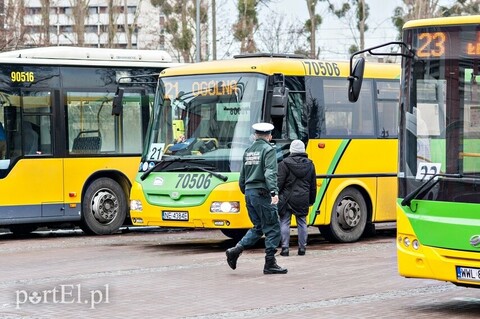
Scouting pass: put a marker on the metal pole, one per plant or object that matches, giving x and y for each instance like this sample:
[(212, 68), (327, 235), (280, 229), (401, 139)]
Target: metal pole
[(198, 32), (214, 30)]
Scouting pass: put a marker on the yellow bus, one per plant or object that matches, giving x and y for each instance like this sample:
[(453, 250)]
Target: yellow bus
[(64, 157), (214, 104), (438, 219)]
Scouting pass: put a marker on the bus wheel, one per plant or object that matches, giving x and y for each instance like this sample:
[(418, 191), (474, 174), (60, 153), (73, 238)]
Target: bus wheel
[(104, 207), (22, 229), (235, 234), (349, 217)]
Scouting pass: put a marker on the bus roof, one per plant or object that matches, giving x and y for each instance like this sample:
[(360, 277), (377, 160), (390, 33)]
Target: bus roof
[(82, 53), (442, 21), (285, 65)]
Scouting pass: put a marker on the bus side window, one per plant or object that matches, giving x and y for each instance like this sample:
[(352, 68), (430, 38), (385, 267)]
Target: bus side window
[(387, 96), (88, 114), (295, 123), (344, 118), (36, 124), (30, 138)]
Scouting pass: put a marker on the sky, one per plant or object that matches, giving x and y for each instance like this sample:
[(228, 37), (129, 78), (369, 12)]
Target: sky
[(334, 36)]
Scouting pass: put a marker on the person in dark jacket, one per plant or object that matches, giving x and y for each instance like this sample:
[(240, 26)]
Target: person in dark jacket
[(258, 181), (297, 191)]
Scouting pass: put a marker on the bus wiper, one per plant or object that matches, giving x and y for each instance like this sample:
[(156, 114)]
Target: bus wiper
[(168, 161), (217, 175), (411, 196)]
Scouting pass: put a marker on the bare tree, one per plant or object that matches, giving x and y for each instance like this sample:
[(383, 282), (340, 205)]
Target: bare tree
[(130, 28), (355, 13), (113, 13), (461, 7), (311, 26), (224, 38), (421, 9), (414, 9), (45, 27), (13, 35), (181, 27), (280, 36), (80, 13), (247, 24), (2, 23)]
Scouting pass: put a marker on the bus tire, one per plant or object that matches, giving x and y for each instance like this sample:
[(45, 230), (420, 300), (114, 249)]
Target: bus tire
[(104, 207), (235, 234), (349, 217)]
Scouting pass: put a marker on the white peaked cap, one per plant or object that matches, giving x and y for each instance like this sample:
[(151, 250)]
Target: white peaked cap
[(263, 128)]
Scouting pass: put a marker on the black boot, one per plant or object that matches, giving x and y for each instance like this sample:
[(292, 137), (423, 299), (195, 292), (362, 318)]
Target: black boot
[(271, 266), (233, 254)]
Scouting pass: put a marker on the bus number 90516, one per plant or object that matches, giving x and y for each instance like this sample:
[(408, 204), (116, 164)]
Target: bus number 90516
[(16, 76)]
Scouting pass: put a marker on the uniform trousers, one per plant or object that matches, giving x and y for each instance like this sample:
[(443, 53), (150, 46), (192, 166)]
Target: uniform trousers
[(264, 218)]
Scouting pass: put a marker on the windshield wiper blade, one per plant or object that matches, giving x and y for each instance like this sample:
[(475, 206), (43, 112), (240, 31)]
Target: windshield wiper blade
[(168, 161), (411, 196)]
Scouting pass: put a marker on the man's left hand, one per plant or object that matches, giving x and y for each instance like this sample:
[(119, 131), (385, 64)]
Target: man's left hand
[(275, 200)]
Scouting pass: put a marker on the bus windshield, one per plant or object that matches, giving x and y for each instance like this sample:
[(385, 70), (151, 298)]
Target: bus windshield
[(442, 138), (206, 117)]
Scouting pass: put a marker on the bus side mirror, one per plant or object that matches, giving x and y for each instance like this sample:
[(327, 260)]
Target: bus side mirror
[(355, 80), (117, 105), (279, 96), (279, 101)]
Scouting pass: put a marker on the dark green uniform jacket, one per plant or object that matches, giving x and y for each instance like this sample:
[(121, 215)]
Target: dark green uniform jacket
[(259, 169)]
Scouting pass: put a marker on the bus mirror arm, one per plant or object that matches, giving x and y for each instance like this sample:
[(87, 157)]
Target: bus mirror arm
[(356, 71), (117, 104)]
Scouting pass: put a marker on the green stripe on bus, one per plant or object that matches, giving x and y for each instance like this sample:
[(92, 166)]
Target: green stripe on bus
[(331, 169), (445, 225)]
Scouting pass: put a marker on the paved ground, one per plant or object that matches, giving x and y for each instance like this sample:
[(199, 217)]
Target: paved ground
[(183, 274)]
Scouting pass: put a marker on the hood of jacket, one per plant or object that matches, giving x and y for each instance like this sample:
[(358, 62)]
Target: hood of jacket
[(297, 163)]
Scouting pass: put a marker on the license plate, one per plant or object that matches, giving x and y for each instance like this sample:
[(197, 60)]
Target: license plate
[(167, 215), (466, 273)]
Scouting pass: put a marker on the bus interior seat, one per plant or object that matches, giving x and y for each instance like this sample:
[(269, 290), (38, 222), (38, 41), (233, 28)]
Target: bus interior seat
[(211, 143), (84, 143)]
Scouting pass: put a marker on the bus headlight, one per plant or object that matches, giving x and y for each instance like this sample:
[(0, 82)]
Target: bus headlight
[(136, 205), (415, 244), (225, 207)]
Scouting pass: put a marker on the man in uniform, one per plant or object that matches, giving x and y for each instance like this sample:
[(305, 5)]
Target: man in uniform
[(258, 181)]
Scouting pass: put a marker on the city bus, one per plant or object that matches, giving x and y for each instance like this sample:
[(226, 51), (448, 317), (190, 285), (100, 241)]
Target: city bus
[(438, 205), (194, 183), (67, 157)]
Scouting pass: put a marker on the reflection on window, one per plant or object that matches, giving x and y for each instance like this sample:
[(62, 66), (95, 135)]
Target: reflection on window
[(26, 122), (86, 119), (387, 104), (212, 112), (343, 118), (93, 129)]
